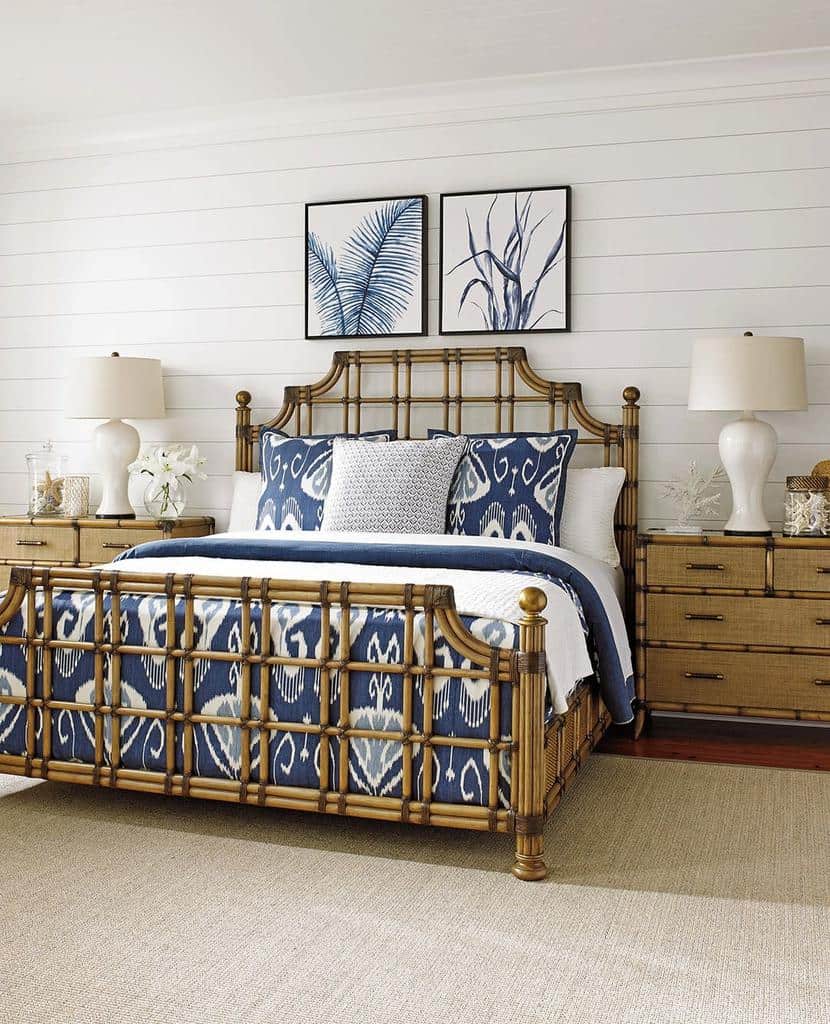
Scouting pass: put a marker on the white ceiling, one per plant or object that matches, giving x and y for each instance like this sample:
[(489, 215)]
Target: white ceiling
[(80, 59)]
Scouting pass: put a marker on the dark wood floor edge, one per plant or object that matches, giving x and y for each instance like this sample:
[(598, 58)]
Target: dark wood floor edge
[(668, 759), (768, 745)]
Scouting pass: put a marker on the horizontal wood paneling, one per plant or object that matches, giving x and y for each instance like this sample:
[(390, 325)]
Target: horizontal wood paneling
[(393, 140), (694, 211), (266, 272)]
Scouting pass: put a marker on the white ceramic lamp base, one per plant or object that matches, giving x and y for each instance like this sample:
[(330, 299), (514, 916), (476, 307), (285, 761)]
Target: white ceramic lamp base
[(747, 451), (116, 445)]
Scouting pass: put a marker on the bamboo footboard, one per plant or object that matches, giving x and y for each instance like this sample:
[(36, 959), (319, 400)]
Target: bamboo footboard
[(542, 761)]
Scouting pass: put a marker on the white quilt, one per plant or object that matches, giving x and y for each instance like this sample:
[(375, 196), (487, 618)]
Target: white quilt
[(485, 595)]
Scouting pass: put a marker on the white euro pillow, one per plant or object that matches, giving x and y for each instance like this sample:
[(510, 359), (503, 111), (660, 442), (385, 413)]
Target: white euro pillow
[(587, 525), (397, 487), (245, 501)]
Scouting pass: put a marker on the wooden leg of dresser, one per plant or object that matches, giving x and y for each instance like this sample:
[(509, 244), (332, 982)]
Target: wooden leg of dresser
[(642, 717)]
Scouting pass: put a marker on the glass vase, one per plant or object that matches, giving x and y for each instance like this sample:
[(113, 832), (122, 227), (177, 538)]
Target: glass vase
[(165, 499)]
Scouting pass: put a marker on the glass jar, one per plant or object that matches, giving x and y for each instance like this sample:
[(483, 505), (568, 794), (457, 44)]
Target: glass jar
[(47, 470), (806, 509)]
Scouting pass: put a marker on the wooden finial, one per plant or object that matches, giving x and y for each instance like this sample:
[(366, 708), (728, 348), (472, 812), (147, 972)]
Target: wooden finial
[(532, 601), (243, 398)]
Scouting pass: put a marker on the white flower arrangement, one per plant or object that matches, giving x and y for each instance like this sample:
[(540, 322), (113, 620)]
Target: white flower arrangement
[(692, 498), (168, 466)]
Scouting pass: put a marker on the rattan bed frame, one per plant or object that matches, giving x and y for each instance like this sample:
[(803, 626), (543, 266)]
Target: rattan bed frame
[(543, 762)]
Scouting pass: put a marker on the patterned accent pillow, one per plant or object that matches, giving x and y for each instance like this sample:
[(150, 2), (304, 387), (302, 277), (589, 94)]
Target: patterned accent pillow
[(511, 485), (296, 473), (400, 487)]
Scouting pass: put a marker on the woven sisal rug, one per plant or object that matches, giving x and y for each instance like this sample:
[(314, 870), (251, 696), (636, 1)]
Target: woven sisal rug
[(679, 894)]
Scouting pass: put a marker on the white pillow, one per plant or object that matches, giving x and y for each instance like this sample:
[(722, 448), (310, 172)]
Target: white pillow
[(587, 525), (245, 501), (397, 487)]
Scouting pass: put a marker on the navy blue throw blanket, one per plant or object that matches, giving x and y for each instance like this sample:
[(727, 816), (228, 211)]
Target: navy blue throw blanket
[(616, 684)]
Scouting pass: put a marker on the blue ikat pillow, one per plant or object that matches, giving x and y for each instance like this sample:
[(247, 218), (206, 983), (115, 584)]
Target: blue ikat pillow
[(296, 473), (510, 485)]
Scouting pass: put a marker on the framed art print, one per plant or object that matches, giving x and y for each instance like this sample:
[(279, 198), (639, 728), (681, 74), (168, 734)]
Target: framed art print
[(365, 263), (505, 261)]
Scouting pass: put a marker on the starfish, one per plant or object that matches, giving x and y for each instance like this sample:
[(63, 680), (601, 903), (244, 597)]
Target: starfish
[(51, 490)]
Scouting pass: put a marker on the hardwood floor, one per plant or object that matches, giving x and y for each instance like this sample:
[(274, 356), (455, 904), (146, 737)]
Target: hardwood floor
[(682, 739)]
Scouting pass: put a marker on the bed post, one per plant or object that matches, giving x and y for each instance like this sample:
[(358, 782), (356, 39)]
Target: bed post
[(243, 432), (631, 462), (529, 761)]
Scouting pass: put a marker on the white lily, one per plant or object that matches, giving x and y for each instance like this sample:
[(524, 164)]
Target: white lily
[(168, 465)]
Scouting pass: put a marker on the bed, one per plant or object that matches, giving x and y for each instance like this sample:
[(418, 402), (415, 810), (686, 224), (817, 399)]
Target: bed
[(380, 677)]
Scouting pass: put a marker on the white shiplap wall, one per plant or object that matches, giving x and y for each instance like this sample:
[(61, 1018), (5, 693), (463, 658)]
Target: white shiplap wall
[(701, 203)]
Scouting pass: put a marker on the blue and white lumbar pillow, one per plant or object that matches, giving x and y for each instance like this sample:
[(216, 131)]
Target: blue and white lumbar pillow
[(400, 487), (510, 485), (296, 473)]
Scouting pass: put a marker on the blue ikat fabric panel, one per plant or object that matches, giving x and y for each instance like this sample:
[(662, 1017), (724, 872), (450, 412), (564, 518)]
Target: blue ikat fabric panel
[(296, 474), (461, 707), (510, 485)]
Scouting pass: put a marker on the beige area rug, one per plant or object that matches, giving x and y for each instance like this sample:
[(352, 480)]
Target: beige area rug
[(679, 893)]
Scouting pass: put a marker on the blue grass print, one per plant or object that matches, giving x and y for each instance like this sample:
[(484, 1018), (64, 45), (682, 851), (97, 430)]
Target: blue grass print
[(370, 285), (499, 281)]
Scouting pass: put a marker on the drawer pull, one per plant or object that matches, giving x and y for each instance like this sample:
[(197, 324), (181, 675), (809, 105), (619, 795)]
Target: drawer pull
[(705, 567), (704, 675), (823, 622), (112, 545), (31, 543), (695, 617), (823, 570), (821, 682)]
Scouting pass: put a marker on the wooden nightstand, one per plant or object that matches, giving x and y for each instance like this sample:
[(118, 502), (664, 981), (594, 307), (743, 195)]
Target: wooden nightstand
[(82, 542), (733, 626)]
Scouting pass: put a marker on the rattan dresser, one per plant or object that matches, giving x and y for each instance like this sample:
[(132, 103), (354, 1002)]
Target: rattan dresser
[(82, 542), (733, 626)]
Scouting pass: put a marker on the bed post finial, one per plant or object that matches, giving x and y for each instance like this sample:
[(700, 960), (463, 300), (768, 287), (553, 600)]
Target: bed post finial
[(631, 395), (532, 601), (529, 731)]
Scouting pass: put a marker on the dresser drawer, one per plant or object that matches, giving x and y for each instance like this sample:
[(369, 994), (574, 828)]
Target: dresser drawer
[(738, 620), (739, 680), (102, 545), (802, 569), (695, 565), (26, 544)]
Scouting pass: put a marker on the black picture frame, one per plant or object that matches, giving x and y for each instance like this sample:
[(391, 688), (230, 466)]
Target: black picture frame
[(443, 329), (422, 305)]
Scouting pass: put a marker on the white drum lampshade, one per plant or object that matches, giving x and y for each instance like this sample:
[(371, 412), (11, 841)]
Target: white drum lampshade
[(113, 388), (745, 373)]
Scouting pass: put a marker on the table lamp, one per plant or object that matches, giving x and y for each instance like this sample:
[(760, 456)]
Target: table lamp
[(746, 374), (111, 388)]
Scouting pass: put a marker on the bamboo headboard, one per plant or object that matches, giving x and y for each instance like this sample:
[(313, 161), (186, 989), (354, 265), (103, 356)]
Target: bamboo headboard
[(405, 388)]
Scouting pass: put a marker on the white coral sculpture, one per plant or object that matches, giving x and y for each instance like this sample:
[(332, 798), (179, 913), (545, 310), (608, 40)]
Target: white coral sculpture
[(693, 496)]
